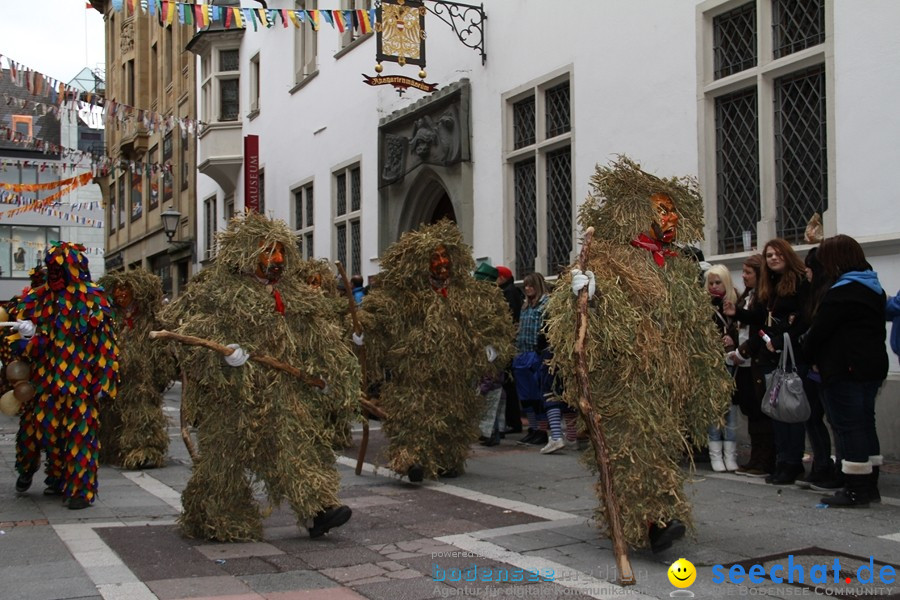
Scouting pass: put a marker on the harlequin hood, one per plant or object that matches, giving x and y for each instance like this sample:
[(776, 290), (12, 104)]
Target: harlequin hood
[(71, 257), (619, 208), (406, 263), (239, 247)]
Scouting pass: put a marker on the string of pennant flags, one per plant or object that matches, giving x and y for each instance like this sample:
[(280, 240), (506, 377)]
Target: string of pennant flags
[(39, 205), (202, 14)]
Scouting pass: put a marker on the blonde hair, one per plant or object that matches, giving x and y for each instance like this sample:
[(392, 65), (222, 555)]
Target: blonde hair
[(725, 275)]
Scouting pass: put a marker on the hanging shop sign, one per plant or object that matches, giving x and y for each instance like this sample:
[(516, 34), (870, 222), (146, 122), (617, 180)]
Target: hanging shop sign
[(400, 82)]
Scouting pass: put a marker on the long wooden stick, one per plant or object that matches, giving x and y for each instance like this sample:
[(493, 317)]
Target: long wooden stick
[(361, 355), (186, 428), (595, 428), (226, 351)]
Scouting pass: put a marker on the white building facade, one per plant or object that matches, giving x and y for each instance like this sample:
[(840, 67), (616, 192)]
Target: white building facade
[(780, 108)]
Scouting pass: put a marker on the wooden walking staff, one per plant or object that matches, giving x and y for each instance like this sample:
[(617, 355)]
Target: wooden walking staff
[(367, 405), (190, 340), (595, 429)]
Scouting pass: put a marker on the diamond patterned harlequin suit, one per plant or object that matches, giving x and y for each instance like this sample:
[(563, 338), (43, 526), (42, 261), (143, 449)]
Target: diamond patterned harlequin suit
[(74, 361)]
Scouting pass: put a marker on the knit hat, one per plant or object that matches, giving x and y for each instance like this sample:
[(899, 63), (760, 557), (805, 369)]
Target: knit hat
[(504, 272)]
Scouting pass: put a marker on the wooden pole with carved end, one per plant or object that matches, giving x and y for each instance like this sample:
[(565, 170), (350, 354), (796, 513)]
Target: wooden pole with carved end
[(190, 340), (361, 355), (595, 428)]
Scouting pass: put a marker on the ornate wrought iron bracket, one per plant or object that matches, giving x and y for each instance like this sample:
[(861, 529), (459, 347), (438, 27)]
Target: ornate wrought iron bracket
[(466, 20)]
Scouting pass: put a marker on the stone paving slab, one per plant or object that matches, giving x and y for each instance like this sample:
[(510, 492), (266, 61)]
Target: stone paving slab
[(198, 587)]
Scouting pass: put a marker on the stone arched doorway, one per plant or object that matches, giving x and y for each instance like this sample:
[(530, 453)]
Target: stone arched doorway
[(443, 210), (426, 202)]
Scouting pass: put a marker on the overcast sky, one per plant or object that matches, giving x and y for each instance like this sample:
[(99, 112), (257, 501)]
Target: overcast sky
[(55, 37)]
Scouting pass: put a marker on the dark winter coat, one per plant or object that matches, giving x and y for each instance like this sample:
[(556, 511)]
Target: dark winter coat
[(846, 340)]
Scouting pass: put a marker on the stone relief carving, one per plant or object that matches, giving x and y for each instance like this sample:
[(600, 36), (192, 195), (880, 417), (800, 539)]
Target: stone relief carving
[(127, 42), (394, 163)]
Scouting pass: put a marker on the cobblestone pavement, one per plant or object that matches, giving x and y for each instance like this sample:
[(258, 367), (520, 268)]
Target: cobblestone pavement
[(514, 513)]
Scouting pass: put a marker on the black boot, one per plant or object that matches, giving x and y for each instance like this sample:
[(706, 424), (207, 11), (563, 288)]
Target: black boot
[(490, 441), (78, 502), (786, 475), (24, 482), (820, 472), (662, 538), (832, 483), (526, 439), (874, 494), (854, 495), (416, 473), (329, 519)]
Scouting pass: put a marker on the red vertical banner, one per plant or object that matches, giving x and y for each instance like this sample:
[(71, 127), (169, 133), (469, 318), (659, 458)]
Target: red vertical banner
[(251, 173)]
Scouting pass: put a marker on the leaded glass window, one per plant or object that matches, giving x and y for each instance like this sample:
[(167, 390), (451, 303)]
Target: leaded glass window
[(734, 46), (737, 168), (797, 25), (526, 224), (523, 123), (559, 209), (801, 144), (558, 113)]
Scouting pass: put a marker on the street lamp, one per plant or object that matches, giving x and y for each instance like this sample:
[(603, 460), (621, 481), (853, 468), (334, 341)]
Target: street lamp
[(170, 218)]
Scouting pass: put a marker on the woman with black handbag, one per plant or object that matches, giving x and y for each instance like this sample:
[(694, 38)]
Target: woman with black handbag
[(846, 344), (781, 306)]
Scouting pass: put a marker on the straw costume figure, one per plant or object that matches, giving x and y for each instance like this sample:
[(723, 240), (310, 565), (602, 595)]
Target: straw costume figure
[(318, 274), (435, 332), (655, 367), (67, 335), (133, 429), (258, 424)]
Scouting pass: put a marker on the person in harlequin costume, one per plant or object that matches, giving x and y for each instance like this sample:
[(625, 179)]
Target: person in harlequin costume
[(133, 428), (28, 437), (67, 335), (657, 377), (256, 423), (434, 331)]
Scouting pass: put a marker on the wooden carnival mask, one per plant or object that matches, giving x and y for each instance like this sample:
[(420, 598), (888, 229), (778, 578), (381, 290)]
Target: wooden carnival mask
[(270, 262), (123, 296), (440, 268), (665, 227), (314, 280)]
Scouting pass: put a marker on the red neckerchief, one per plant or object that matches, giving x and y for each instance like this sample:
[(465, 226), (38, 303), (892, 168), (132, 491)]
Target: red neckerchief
[(279, 304), (655, 247), (442, 291)]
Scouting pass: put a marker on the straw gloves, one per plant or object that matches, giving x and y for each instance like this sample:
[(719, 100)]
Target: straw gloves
[(491, 353), (580, 280), (238, 357), (25, 328)]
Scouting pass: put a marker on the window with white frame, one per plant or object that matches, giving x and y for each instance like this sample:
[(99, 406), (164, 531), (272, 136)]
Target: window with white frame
[(764, 80), (538, 121), (254, 83), (220, 91), (305, 45), (349, 10), (209, 227), (347, 203), (303, 219)]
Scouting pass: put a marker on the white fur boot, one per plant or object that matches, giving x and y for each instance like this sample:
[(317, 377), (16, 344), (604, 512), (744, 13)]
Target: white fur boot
[(729, 451), (715, 456)]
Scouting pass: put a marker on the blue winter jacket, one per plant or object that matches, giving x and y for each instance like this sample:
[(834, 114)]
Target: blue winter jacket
[(892, 313)]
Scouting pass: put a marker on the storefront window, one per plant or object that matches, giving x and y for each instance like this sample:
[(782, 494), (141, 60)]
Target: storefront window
[(23, 247)]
